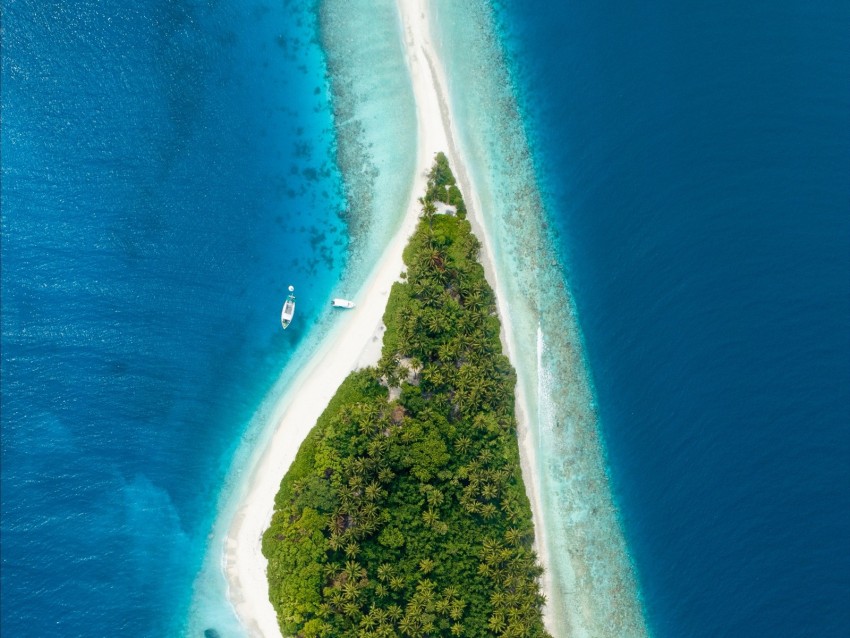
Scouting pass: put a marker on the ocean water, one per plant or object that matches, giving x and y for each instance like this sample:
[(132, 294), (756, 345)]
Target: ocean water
[(167, 170), (694, 160)]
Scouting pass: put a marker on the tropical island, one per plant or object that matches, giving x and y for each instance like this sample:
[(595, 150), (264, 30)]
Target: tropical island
[(404, 512)]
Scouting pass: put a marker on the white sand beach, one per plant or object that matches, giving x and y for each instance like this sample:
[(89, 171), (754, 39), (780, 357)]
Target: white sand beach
[(355, 342)]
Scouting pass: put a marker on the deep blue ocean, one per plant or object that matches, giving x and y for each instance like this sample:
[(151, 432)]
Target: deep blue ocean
[(696, 162), (167, 170)]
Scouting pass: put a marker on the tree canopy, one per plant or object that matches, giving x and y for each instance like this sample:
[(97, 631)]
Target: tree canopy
[(404, 512)]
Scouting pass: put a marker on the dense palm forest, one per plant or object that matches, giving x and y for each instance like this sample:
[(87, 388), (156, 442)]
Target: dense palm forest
[(404, 513)]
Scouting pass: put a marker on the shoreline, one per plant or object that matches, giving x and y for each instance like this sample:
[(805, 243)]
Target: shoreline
[(356, 342)]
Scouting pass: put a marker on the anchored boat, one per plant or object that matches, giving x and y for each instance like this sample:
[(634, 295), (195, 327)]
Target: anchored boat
[(342, 303), (288, 309)]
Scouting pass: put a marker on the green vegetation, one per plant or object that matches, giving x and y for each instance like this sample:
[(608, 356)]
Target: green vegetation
[(442, 186), (404, 513)]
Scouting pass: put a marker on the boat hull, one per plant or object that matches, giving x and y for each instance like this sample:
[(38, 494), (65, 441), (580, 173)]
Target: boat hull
[(288, 312)]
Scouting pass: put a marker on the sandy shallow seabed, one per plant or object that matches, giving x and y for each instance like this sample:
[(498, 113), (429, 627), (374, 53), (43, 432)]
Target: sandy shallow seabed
[(356, 342)]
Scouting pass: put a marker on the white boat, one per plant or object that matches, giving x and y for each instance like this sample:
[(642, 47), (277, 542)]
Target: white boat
[(342, 303), (288, 309)]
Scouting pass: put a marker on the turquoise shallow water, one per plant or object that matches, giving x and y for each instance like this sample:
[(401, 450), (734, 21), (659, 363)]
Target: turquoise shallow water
[(375, 118)]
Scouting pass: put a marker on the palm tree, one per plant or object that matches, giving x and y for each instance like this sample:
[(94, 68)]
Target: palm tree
[(353, 570), (337, 522), (352, 549), (405, 314), (463, 444), (366, 427), (513, 536), (324, 610), (368, 622), (351, 610), (377, 449), (442, 605), (385, 631), (428, 624), (474, 301), (372, 491), (431, 518), (450, 592), (408, 626), (497, 622), (350, 591), (434, 323), (490, 549), (489, 491), (434, 375), (380, 614), (436, 259), (486, 454), (334, 597), (488, 510), (428, 210), (415, 366), (355, 482), (385, 571), (334, 541), (447, 353), (426, 565)]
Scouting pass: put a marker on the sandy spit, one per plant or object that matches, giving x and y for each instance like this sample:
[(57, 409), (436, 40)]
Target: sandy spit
[(356, 341)]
